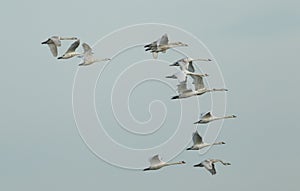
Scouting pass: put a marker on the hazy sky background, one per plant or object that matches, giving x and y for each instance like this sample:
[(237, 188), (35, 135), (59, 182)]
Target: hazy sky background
[(255, 43)]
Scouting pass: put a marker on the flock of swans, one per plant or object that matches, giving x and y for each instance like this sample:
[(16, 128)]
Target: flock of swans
[(55, 41), (187, 71)]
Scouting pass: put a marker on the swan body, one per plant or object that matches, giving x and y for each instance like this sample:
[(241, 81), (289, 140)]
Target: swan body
[(199, 144), (88, 57), (55, 41), (161, 45), (209, 164), (208, 117), (156, 163), (71, 52)]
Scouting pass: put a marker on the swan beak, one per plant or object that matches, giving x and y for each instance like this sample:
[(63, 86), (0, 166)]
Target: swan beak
[(175, 64), (185, 45), (183, 162), (234, 116)]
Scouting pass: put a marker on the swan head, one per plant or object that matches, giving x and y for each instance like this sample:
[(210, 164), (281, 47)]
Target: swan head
[(223, 143), (106, 59), (182, 162), (233, 116)]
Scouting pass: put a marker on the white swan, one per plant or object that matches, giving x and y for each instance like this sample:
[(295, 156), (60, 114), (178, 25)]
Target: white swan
[(199, 88), (187, 63), (161, 45), (210, 166), (156, 163), (71, 51), (199, 144), (55, 41), (88, 57), (208, 117)]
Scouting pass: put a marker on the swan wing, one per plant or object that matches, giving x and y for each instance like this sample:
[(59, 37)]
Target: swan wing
[(198, 81), (206, 115), (53, 49), (155, 55), (155, 160), (55, 40), (73, 46), (191, 67), (164, 40), (181, 76), (210, 167), (86, 48), (197, 139), (182, 88)]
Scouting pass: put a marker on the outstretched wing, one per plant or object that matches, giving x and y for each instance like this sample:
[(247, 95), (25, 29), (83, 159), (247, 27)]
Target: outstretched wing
[(197, 139), (198, 81), (212, 170), (191, 67), (155, 160), (181, 76), (182, 88), (206, 115), (53, 49), (73, 46), (163, 40), (86, 48)]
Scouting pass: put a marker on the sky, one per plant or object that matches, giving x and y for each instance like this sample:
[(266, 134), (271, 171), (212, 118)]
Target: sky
[(254, 43)]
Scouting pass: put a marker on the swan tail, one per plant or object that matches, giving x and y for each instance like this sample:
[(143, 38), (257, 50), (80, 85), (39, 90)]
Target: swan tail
[(198, 165), (196, 122), (175, 97), (146, 169)]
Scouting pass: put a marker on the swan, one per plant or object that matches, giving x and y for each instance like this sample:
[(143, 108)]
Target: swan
[(208, 117), (88, 58), (187, 63), (55, 41), (156, 163), (199, 88), (199, 144), (209, 165), (71, 51), (161, 45)]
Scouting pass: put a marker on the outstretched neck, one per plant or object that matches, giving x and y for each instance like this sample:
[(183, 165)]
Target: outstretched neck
[(201, 59), (218, 89), (68, 38), (173, 163), (218, 143)]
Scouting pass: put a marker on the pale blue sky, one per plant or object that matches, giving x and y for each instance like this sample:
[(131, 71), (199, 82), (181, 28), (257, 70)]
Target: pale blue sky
[(255, 43)]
